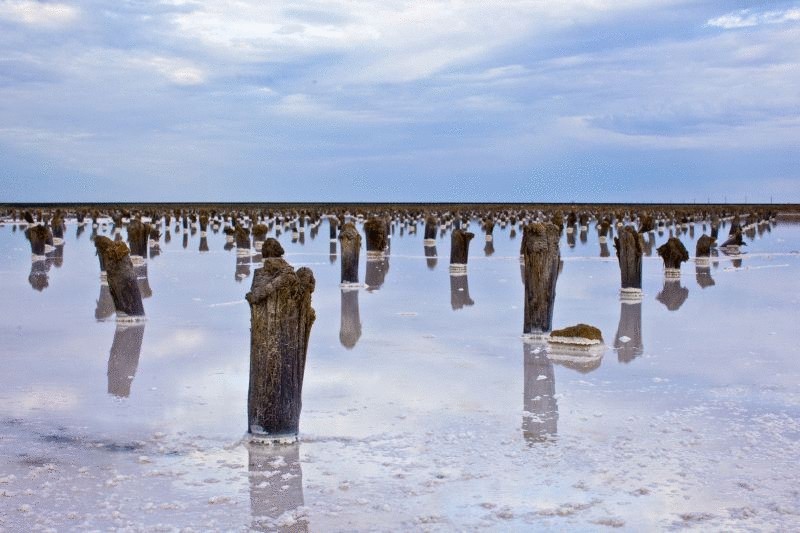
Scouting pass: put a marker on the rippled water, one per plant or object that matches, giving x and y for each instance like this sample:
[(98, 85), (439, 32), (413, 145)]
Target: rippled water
[(423, 408)]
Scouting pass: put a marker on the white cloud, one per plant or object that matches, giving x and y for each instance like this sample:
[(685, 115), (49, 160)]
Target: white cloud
[(746, 18), (40, 14), (177, 71)]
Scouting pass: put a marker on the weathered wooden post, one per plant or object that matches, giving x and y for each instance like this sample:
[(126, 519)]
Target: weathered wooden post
[(350, 319), (333, 228), (628, 342), (673, 252), (488, 228), (350, 243), (629, 247), (138, 234), (459, 250), (123, 360), (430, 231), (281, 320), (121, 278), (542, 256), (540, 416), (377, 241), (38, 236)]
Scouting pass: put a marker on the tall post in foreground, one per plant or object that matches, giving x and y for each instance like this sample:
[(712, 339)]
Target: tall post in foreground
[(281, 320), (459, 250), (121, 277), (629, 247), (350, 241), (542, 256)]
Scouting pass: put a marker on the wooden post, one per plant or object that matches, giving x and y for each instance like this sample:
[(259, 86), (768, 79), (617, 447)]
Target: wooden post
[(673, 252), (350, 242), (542, 257), (628, 342), (459, 249), (629, 247), (430, 230), (375, 231), (121, 277), (540, 417), (38, 236), (123, 360), (137, 240), (350, 319), (281, 320)]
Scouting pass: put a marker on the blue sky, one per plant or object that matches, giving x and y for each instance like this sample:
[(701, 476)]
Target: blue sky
[(346, 100)]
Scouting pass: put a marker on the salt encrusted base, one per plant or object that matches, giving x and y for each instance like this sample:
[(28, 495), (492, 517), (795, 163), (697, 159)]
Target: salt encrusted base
[(619, 224), (570, 230), (489, 238), (58, 241), (137, 260), (48, 248), (535, 338), (243, 252), (122, 318), (103, 277), (36, 258), (731, 249), (152, 243), (576, 354), (334, 240), (572, 341), (630, 293), (351, 286), (295, 235), (258, 245), (672, 273), (302, 230), (429, 242), (702, 261), (257, 437), (203, 234), (228, 238), (584, 228), (458, 269), (375, 255)]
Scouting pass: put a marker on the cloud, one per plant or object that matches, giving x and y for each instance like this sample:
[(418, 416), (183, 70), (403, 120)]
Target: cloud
[(747, 18), (38, 14), (177, 71)]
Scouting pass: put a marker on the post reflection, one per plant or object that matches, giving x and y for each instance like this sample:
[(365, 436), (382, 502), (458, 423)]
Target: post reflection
[(703, 275), (540, 417), (673, 294), (376, 272), (38, 277), (276, 488), (350, 325), (332, 253), (628, 342), (104, 304), (123, 360), (459, 292), (430, 254)]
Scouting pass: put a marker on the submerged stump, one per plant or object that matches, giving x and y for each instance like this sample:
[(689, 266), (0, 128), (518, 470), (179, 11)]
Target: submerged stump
[(541, 258), (350, 243), (630, 247), (121, 278), (673, 252), (281, 320)]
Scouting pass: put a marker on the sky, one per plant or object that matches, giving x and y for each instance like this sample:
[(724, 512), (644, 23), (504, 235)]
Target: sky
[(440, 101)]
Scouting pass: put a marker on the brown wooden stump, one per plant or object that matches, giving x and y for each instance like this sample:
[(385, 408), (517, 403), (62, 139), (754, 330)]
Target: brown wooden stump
[(281, 320), (350, 243), (542, 257), (629, 247), (459, 248), (704, 245), (540, 418), (673, 252), (377, 241), (123, 360), (38, 236), (350, 319), (138, 234), (122, 279), (430, 228)]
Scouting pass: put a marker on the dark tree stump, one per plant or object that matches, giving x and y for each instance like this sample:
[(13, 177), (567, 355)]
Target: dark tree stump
[(281, 320), (459, 292), (122, 279), (333, 228), (38, 236), (628, 342), (673, 252), (629, 247), (377, 241), (542, 258), (138, 234), (488, 228), (350, 242), (459, 248), (123, 360), (704, 245), (734, 240), (350, 325), (540, 420), (267, 503), (646, 224), (430, 229)]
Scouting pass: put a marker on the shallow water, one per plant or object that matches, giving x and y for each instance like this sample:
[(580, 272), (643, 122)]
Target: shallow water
[(433, 414)]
